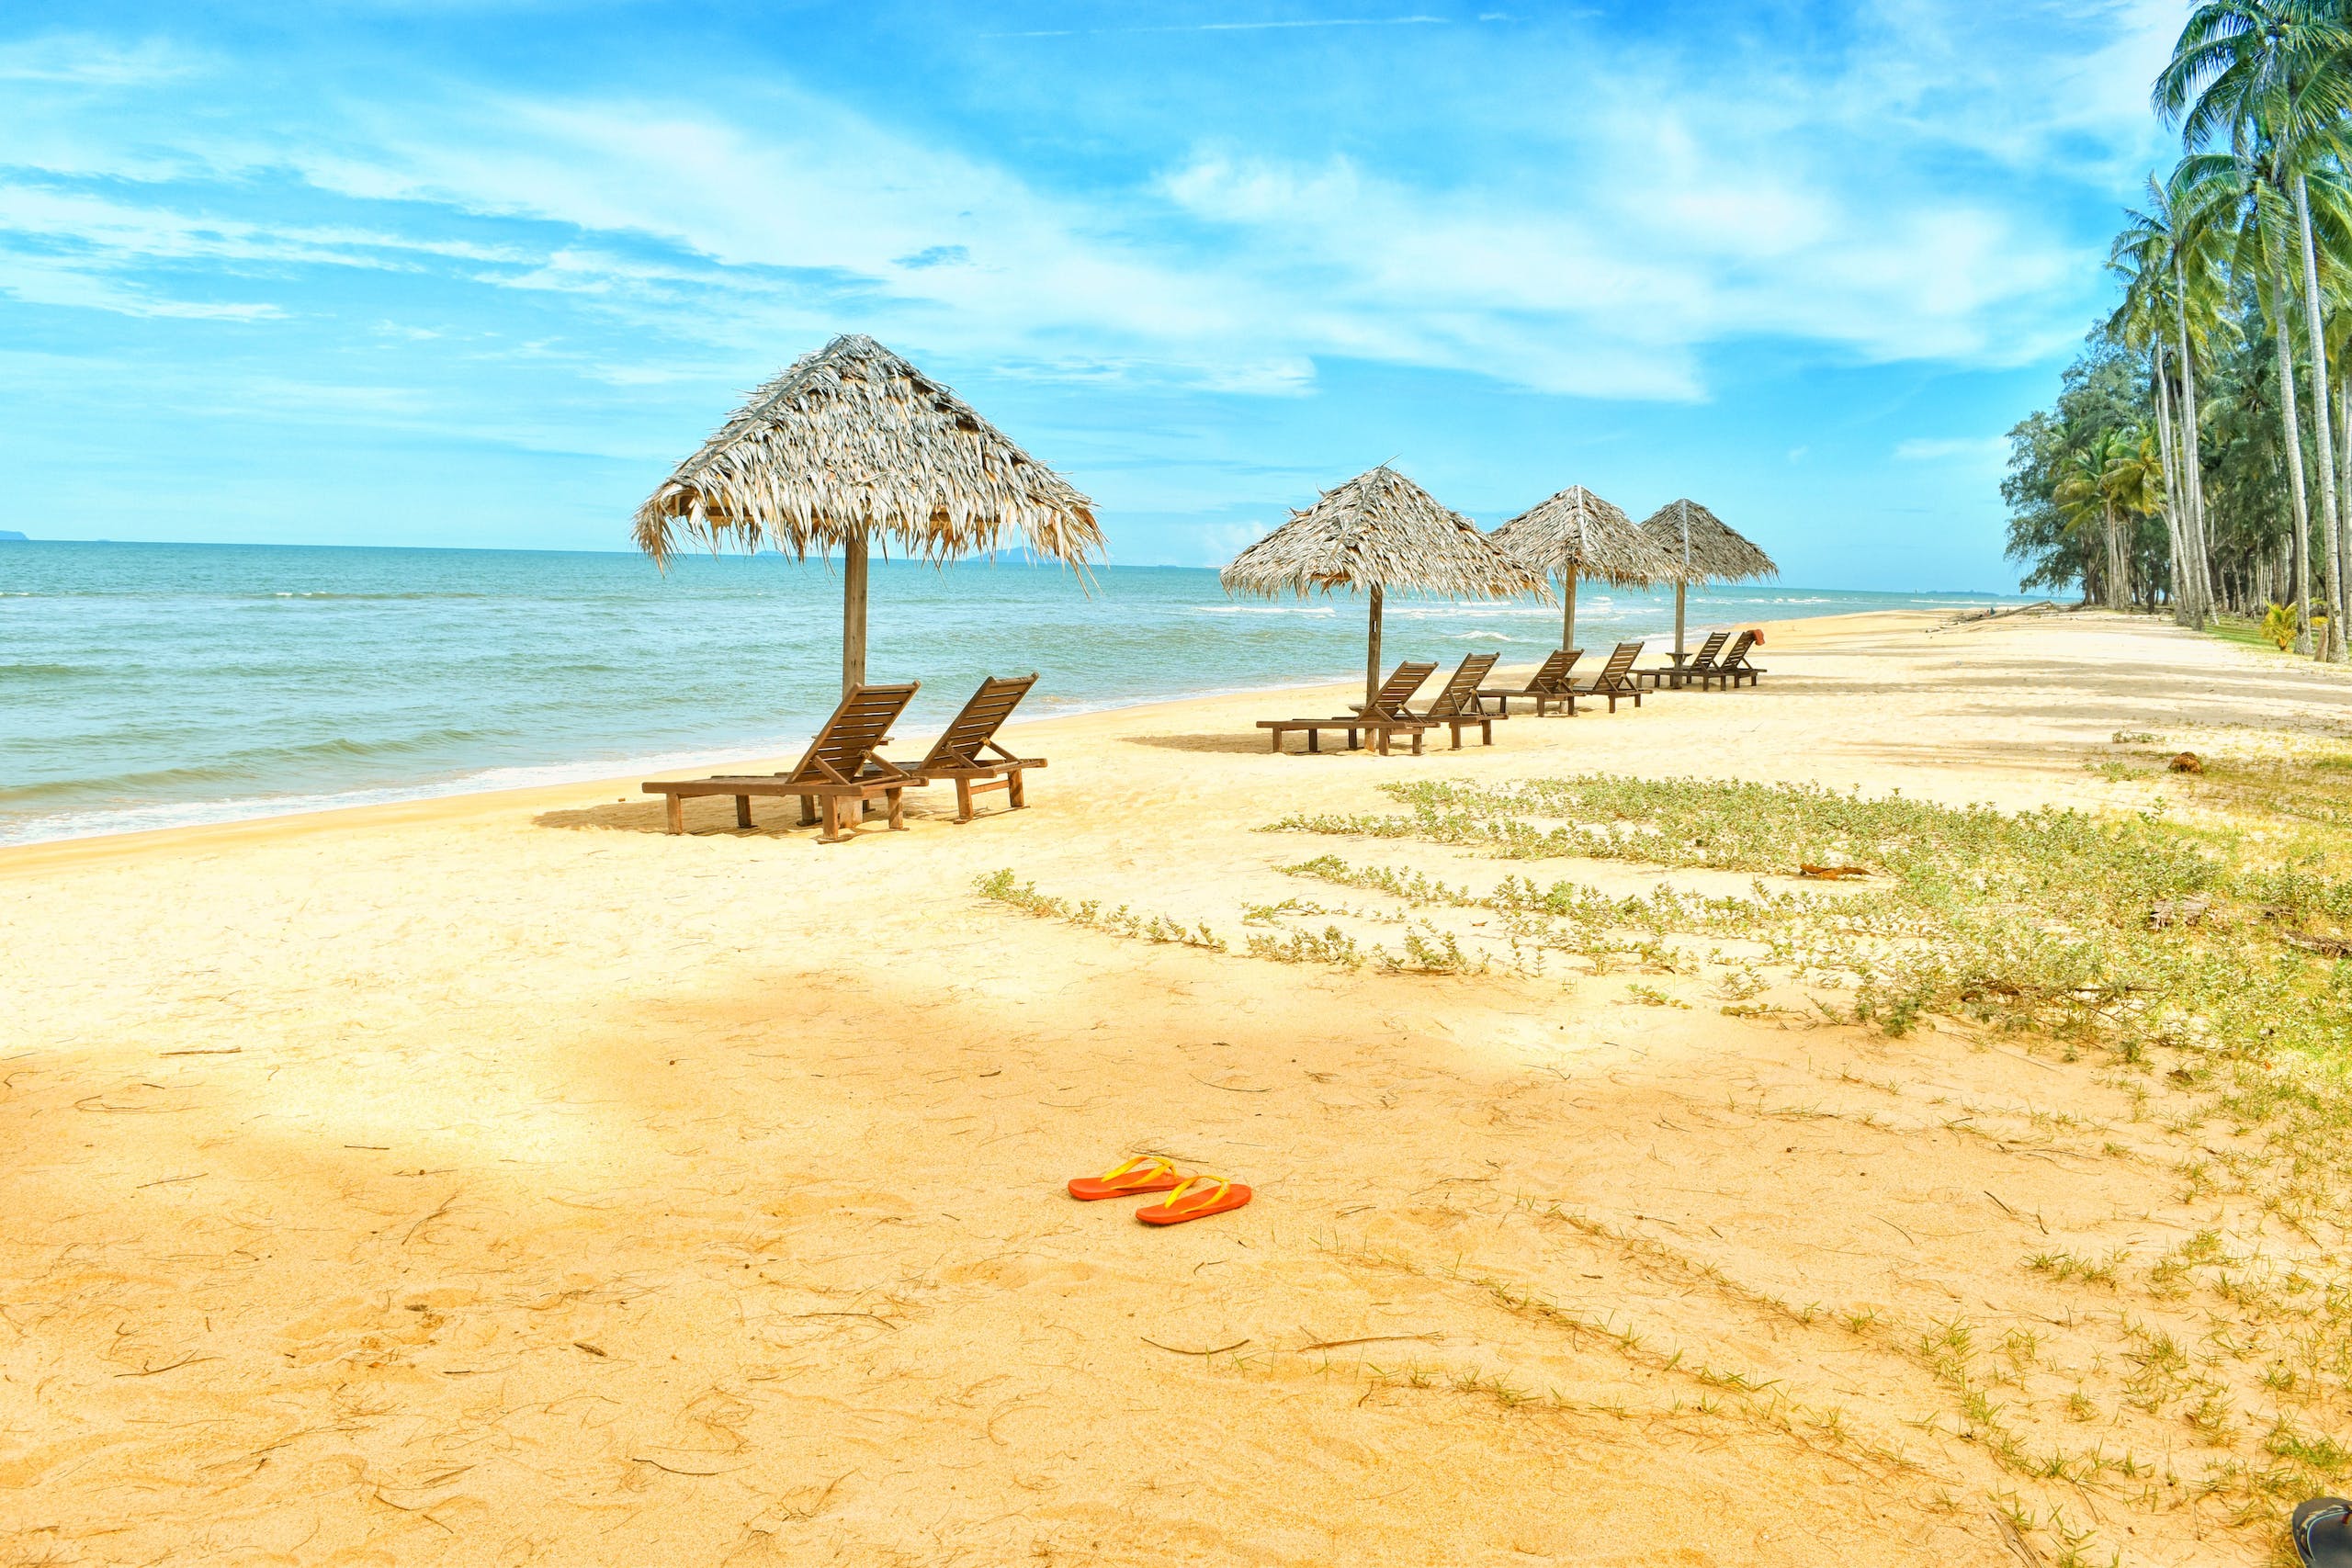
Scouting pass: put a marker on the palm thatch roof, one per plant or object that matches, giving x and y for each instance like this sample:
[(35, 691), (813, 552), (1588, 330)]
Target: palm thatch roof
[(1577, 532), (1379, 530), (1703, 548), (853, 440)]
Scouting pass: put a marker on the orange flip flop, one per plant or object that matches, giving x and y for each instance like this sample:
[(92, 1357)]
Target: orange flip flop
[(1145, 1173), (1196, 1198)]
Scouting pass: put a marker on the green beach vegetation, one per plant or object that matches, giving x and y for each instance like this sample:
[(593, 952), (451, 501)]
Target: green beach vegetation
[(2193, 952), (2198, 456)]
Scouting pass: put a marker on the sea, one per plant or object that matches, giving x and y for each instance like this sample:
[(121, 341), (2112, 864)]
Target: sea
[(156, 686)]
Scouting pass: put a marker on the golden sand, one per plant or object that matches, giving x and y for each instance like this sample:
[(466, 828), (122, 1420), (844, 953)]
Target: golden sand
[(499, 1179)]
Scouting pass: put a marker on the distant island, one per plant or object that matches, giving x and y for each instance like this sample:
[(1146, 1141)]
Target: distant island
[(10, 536)]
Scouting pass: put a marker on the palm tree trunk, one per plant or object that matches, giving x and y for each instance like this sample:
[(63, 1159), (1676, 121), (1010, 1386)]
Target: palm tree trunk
[(2118, 572), (2192, 461), (2178, 554), (1371, 653), (2299, 538), (2332, 645), (2344, 488)]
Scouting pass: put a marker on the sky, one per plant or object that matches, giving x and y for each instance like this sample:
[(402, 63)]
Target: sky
[(454, 274)]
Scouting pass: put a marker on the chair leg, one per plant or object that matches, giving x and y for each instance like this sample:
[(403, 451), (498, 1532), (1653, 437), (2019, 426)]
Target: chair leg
[(677, 812), (832, 807), (898, 811), (1314, 740), (808, 809), (963, 800), (1012, 794), (742, 811)]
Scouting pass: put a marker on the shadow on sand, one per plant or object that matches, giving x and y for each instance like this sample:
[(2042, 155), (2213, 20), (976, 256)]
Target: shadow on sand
[(714, 815), (1250, 743)]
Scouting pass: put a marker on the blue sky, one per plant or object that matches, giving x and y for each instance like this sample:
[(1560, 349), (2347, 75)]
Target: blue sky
[(470, 274)]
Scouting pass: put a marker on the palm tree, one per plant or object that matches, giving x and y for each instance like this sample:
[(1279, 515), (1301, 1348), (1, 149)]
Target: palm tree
[(2227, 197), (2277, 76), (2082, 507), (2137, 483), (2336, 283), (2325, 182), (2156, 262), (2140, 323), (2109, 475), (2200, 287)]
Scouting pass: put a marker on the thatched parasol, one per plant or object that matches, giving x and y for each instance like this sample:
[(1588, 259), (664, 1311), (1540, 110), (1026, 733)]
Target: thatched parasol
[(1703, 549), (1378, 531), (851, 445), (1576, 534)]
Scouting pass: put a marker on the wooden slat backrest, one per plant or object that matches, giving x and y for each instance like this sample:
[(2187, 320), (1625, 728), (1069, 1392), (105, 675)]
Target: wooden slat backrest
[(1461, 693), (1620, 663), (859, 724), (1553, 670), (959, 744), (1402, 682), (1738, 654), (1705, 658)]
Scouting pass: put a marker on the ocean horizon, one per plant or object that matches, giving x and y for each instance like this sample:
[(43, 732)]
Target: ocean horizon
[(155, 685)]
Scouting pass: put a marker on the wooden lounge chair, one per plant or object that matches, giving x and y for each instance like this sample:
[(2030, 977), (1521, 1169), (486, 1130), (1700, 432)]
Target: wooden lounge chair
[(959, 753), (1709, 669), (838, 770), (1734, 664), (1547, 688), (1457, 704), (1700, 667), (1616, 678), (1402, 682)]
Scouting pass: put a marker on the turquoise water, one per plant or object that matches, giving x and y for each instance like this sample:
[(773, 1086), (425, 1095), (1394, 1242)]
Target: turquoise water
[(153, 686)]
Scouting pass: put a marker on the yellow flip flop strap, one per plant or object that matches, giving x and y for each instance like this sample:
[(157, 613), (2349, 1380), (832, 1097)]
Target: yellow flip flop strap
[(1192, 1185), (1140, 1164)]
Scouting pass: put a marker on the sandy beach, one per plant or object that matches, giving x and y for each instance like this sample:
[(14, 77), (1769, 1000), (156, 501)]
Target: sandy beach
[(500, 1179)]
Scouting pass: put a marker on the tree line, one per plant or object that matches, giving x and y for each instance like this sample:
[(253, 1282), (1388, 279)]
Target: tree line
[(2199, 457)]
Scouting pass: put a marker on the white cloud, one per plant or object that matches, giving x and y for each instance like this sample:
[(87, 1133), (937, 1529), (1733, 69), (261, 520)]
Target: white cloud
[(80, 61), (1973, 451), (1286, 26), (1621, 232), (43, 280)]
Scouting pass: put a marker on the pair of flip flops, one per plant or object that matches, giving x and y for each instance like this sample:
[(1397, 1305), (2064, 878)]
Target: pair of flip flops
[(1189, 1197), (2323, 1532)]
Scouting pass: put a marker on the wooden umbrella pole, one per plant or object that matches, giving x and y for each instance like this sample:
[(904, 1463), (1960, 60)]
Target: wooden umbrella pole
[(853, 612), (1569, 598), (1372, 653), (1683, 510)]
